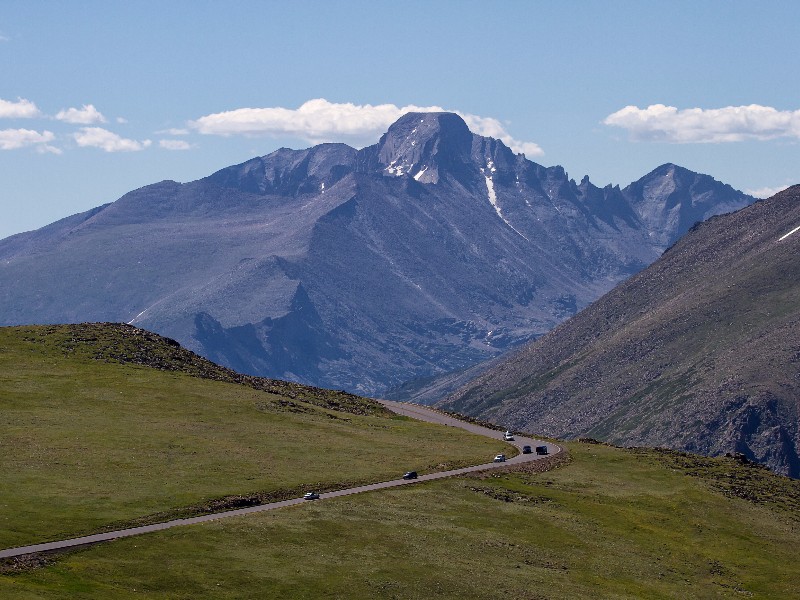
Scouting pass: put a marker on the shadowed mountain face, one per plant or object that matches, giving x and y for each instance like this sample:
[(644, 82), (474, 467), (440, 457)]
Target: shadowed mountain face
[(698, 352), (426, 253)]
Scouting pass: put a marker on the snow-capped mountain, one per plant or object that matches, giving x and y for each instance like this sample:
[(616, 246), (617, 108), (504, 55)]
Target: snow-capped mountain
[(359, 269)]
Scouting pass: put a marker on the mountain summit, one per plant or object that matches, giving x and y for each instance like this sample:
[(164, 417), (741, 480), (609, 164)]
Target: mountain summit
[(672, 198), (420, 144), (426, 253)]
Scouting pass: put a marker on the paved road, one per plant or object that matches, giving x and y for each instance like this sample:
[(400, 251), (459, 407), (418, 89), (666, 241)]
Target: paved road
[(409, 410)]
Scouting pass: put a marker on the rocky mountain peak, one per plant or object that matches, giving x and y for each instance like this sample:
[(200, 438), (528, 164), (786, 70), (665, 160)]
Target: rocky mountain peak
[(671, 199), (424, 144)]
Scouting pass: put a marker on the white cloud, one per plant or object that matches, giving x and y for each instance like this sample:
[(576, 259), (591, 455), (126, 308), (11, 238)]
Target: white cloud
[(173, 131), (21, 109), (321, 121), (174, 144), (488, 126), (83, 116), (121, 120), (697, 125), (48, 149), (97, 137), (765, 192), (11, 139), (4, 38)]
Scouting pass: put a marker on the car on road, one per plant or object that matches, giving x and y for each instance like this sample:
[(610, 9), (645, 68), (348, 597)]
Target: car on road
[(500, 458), (541, 449), (410, 475), (526, 450), (508, 436), (311, 496)]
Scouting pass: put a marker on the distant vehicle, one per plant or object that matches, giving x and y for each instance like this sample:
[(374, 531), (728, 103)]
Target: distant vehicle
[(541, 449), (410, 475), (500, 458), (311, 496), (508, 436), (526, 450)]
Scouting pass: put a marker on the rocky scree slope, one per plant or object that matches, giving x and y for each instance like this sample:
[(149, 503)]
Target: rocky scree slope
[(698, 352), (426, 253)]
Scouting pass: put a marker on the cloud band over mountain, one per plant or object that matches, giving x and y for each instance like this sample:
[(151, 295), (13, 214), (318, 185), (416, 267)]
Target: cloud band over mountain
[(662, 123), (320, 121)]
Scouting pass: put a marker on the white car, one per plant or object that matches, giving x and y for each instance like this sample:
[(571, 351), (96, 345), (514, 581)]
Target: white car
[(500, 458), (508, 436)]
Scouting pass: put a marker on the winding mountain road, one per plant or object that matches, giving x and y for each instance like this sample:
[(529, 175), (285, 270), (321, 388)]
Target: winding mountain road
[(410, 410)]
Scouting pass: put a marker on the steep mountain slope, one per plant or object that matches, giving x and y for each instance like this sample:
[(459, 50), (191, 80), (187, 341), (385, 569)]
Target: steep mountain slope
[(700, 351), (426, 253)]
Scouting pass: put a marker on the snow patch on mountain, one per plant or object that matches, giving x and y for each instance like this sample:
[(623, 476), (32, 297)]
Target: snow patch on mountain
[(783, 237), (137, 316), (400, 170), (493, 198)]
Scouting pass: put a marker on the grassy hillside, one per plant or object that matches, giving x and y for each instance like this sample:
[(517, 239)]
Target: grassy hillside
[(611, 524), (104, 425), (91, 437)]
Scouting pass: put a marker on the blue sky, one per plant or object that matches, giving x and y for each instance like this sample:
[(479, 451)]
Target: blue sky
[(98, 98)]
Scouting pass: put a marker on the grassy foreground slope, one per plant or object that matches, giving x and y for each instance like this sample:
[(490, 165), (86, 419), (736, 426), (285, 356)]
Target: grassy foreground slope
[(91, 438), (611, 524)]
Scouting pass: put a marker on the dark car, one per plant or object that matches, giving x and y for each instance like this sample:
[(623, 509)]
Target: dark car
[(311, 496), (410, 475), (541, 449), (526, 450)]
